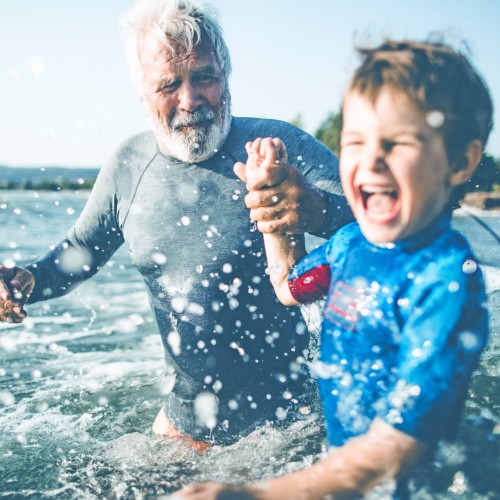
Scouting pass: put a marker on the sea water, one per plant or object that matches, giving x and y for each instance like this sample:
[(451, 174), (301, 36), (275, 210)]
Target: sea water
[(81, 381)]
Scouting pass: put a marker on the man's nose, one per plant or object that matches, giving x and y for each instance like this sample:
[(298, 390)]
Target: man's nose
[(189, 97)]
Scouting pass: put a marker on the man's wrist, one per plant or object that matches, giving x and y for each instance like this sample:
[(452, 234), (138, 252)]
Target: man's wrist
[(336, 214), (323, 204)]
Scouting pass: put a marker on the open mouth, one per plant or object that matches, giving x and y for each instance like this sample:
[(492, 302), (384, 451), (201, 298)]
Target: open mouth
[(379, 199), (192, 125)]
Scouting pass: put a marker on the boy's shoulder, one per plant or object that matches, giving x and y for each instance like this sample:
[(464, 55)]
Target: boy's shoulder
[(450, 259), (347, 235), (448, 255), (343, 240), (450, 246)]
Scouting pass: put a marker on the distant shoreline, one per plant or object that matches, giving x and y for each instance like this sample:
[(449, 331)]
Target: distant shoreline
[(479, 200), (483, 200)]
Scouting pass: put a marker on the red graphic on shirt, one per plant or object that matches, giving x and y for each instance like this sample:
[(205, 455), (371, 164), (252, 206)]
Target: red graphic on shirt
[(342, 308)]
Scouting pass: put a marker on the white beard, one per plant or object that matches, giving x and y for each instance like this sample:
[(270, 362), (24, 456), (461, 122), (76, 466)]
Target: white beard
[(192, 146)]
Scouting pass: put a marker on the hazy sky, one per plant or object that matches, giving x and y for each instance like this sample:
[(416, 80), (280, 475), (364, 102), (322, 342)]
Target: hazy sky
[(65, 96)]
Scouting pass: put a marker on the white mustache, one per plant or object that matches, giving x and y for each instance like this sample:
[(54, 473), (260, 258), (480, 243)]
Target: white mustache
[(193, 119)]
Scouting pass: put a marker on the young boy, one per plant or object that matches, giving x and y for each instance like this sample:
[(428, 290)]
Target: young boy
[(404, 319)]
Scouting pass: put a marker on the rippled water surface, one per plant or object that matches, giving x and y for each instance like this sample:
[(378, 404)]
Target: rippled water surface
[(81, 382)]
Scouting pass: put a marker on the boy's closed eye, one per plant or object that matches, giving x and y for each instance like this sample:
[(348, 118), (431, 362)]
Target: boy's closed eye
[(350, 141)]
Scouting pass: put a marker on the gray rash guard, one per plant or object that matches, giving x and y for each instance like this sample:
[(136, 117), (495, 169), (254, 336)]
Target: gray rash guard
[(189, 234)]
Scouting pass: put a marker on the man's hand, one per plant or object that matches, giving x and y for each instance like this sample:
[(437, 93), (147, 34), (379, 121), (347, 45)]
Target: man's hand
[(16, 285), (281, 200)]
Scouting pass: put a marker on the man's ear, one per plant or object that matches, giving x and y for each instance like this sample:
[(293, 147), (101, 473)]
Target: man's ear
[(466, 163)]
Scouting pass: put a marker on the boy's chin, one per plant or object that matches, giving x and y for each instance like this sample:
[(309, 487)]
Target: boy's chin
[(380, 235)]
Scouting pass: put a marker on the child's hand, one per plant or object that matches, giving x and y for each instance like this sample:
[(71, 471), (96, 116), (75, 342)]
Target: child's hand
[(266, 159), (279, 197)]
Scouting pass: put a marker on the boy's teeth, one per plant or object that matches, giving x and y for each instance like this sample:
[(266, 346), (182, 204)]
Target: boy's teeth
[(376, 189), (368, 191)]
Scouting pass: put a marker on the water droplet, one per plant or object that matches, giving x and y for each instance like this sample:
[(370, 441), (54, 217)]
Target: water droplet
[(73, 260), (281, 413), (470, 341), (7, 398), (174, 341), (195, 308), (206, 409), (469, 267), (435, 118), (9, 263), (159, 258), (179, 304)]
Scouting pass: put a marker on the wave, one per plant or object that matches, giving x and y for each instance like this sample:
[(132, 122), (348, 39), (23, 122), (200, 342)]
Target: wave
[(491, 278)]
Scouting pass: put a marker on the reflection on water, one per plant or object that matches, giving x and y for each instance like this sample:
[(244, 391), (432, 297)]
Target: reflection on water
[(81, 382)]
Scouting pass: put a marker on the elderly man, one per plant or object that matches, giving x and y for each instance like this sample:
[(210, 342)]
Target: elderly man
[(172, 196)]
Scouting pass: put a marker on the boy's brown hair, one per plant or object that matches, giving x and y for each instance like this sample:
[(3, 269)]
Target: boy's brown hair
[(436, 78)]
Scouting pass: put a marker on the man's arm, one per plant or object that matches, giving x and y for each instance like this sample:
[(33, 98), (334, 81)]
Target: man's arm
[(350, 471)]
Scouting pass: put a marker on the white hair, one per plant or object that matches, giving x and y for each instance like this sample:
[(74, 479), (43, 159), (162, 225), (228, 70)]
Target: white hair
[(172, 22)]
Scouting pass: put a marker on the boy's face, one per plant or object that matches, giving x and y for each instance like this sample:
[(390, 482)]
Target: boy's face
[(393, 165)]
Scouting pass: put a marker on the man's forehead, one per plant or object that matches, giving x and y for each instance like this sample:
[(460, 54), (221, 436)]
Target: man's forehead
[(171, 52)]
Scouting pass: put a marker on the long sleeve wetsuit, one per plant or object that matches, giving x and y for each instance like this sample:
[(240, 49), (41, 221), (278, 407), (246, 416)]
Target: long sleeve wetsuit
[(189, 234)]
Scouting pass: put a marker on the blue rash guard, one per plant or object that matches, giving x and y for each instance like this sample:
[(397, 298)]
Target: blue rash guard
[(403, 329), (189, 234)]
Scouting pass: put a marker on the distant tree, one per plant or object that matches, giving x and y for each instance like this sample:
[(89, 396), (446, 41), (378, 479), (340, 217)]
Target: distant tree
[(329, 132), (298, 121)]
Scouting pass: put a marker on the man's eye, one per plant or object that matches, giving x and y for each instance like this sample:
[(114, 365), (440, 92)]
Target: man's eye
[(169, 87), (204, 79)]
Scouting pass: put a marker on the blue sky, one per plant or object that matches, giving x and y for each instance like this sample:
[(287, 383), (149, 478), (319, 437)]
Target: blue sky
[(65, 95)]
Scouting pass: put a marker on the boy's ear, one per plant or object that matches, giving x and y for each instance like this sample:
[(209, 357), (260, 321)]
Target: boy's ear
[(466, 163)]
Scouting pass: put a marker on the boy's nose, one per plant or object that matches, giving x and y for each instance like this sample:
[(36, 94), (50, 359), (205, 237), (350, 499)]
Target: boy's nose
[(374, 158)]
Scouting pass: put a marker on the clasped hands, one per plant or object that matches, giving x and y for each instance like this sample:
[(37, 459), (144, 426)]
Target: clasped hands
[(279, 197)]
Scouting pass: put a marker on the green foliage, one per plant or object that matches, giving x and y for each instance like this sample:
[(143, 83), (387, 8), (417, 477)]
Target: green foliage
[(298, 121), (329, 132)]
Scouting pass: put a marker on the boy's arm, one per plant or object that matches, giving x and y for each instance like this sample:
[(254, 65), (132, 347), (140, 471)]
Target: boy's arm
[(382, 454), (350, 471), (282, 252), (267, 158)]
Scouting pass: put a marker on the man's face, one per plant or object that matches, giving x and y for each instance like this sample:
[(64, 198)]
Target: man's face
[(186, 99)]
